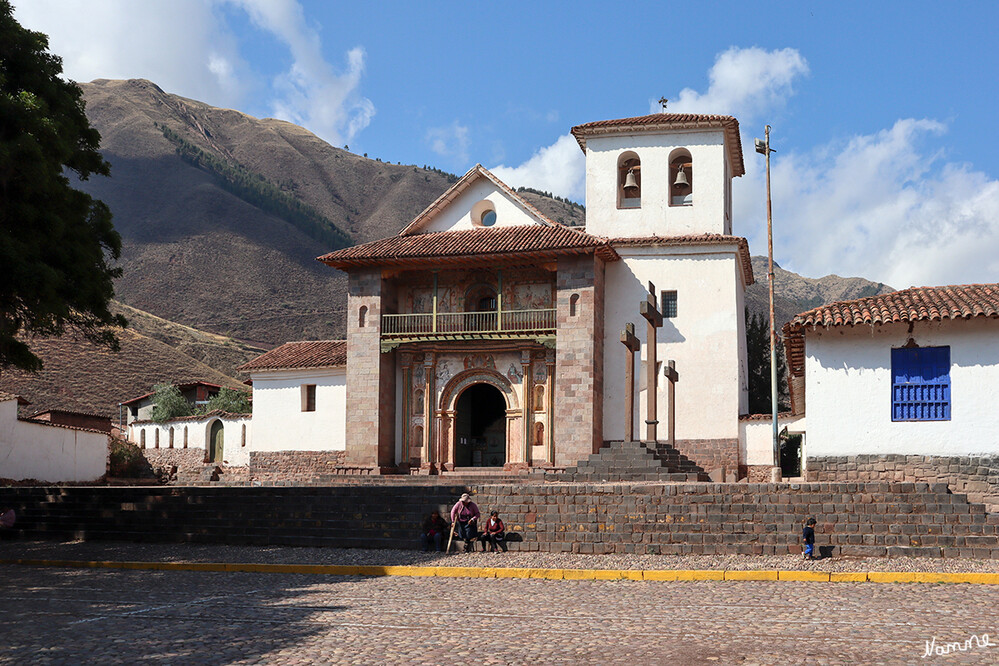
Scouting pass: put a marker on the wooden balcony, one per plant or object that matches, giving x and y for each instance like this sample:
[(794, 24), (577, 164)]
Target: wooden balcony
[(468, 325)]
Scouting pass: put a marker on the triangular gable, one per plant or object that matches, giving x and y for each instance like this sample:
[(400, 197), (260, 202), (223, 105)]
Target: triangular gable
[(463, 204)]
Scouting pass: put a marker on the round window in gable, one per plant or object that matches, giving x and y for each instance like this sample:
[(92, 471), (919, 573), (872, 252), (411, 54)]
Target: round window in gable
[(489, 218), (483, 213)]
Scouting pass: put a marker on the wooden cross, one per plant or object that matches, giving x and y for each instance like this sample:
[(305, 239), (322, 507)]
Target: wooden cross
[(631, 342), (648, 309), (671, 375)]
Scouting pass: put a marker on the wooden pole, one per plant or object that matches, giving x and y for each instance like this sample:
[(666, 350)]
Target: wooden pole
[(632, 345)]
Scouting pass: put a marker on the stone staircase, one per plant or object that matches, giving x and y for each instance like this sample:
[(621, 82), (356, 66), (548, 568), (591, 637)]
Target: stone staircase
[(855, 519), (633, 461)]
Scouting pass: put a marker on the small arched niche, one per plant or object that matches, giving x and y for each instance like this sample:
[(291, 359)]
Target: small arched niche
[(362, 316), (681, 178), (629, 180)]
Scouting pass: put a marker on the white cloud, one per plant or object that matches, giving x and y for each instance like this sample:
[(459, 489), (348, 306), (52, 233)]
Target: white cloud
[(743, 83), (312, 93), (559, 168), (882, 206), (186, 47), (450, 141), (183, 45)]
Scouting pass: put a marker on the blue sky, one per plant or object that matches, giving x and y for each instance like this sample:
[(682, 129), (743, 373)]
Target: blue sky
[(882, 112)]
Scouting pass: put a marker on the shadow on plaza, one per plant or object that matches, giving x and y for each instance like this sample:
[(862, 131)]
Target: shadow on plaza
[(115, 616)]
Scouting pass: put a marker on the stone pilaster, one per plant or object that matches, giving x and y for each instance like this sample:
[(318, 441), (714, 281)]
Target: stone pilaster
[(579, 358)]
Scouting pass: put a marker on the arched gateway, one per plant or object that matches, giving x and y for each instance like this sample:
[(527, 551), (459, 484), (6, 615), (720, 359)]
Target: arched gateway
[(480, 427), (473, 419)]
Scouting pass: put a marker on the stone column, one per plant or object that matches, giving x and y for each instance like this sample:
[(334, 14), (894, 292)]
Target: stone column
[(550, 397), (526, 403)]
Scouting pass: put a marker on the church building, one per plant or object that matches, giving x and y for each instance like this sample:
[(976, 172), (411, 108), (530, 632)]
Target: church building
[(487, 335)]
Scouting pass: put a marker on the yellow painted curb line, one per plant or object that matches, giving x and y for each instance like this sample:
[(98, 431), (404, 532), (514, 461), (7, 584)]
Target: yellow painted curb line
[(537, 573)]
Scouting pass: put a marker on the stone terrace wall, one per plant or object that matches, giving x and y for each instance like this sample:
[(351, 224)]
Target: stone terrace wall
[(294, 468), (875, 519), (977, 477)]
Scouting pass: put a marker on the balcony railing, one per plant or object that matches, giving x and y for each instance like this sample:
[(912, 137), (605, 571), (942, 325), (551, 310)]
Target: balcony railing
[(468, 323)]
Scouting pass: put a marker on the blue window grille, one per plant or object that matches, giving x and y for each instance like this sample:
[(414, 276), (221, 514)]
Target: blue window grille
[(920, 386)]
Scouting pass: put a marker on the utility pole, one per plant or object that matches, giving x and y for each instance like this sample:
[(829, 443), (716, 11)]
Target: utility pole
[(763, 147)]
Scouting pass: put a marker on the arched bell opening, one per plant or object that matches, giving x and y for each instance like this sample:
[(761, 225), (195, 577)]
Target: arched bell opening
[(480, 427)]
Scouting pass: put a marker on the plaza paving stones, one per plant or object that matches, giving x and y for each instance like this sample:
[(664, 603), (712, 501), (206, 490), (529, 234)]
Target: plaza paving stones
[(139, 552), (72, 616)]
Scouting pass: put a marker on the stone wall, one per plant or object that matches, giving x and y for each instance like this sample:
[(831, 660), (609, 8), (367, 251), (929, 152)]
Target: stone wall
[(370, 375), (870, 519), (578, 426), (295, 468), (976, 476), (712, 454)]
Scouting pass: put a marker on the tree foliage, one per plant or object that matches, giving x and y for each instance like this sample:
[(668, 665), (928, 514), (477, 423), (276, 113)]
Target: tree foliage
[(758, 358), (230, 400), (169, 403), (57, 243)]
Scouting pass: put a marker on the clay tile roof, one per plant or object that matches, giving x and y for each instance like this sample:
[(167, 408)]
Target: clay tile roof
[(913, 304), (4, 397), (668, 121), (695, 239), (309, 354), (472, 246)]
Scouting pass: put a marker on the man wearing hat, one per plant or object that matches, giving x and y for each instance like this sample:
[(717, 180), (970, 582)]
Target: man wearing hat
[(465, 514)]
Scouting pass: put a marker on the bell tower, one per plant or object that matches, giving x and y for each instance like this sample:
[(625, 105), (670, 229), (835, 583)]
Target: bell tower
[(665, 174)]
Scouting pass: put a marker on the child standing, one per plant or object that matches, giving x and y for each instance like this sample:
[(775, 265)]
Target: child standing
[(808, 536)]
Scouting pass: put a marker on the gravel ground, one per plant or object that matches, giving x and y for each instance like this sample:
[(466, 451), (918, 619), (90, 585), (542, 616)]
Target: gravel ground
[(118, 551)]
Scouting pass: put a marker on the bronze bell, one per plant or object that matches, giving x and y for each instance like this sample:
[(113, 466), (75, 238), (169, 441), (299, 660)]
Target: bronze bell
[(681, 178), (629, 181)]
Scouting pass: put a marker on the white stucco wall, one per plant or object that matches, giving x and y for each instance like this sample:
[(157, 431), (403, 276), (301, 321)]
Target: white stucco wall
[(757, 436), (49, 453), (279, 424), (656, 217), (848, 384), (235, 448), (458, 214), (706, 339)]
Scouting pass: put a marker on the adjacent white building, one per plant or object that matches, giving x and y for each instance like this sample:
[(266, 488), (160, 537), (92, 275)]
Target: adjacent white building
[(909, 376), (48, 452), (300, 397)]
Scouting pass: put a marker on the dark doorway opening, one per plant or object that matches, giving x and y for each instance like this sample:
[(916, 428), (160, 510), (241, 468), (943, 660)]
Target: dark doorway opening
[(790, 456), (480, 427)]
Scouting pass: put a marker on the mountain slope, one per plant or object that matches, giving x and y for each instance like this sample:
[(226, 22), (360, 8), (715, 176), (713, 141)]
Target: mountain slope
[(198, 254), (81, 377), (794, 293)]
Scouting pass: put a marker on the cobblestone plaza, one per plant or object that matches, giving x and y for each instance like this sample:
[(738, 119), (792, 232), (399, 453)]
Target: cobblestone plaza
[(55, 616)]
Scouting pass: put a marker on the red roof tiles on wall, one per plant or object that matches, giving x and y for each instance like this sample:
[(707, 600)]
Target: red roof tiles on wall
[(668, 121), (309, 354), (471, 246)]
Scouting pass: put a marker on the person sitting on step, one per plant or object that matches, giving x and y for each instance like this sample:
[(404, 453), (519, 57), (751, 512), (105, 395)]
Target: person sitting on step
[(465, 514), (494, 533), (434, 529)]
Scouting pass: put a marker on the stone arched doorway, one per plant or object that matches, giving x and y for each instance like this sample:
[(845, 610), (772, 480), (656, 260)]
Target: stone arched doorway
[(216, 441), (480, 427)]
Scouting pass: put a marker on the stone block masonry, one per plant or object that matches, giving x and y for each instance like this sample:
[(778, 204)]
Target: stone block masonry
[(869, 519), (975, 476)]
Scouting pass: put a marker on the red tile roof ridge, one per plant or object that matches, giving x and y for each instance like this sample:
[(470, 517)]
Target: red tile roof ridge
[(953, 302), (301, 354), (4, 397), (672, 121), (195, 417), (179, 385), (471, 246), (475, 173), (67, 411), (60, 425)]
